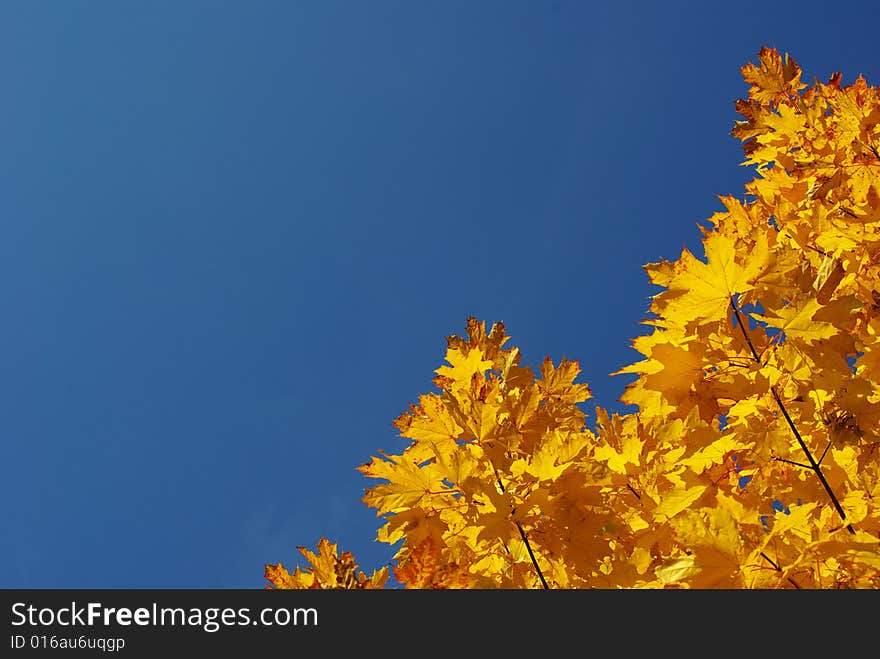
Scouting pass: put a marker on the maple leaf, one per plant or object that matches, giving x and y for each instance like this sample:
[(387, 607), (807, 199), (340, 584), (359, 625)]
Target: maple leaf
[(431, 421), (629, 453), (558, 382), (677, 500), (775, 79), (675, 366), (327, 569), (703, 291), (279, 577), (807, 319), (464, 365), (714, 453), (423, 567), (409, 483), (677, 569)]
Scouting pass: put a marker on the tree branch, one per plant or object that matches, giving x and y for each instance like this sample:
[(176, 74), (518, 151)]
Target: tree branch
[(813, 466), (525, 538), (779, 569)]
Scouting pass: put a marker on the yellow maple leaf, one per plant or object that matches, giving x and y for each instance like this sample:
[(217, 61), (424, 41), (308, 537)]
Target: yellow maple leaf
[(805, 318), (430, 422), (543, 463), (676, 500), (703, 291), (714, 453), (327, 569), (630, 453), (423, 567), (279, 577), (776, 78), (464, 365), (675, 570), (557, 382), (409, 483)]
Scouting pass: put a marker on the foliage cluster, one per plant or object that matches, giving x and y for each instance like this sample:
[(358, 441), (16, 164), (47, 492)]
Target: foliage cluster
[(752, 458)]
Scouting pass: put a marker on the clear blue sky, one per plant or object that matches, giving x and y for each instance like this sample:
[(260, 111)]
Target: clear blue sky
[(235, 235)]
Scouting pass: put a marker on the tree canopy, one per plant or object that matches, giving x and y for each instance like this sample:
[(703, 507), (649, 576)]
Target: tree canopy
[(751, 459)]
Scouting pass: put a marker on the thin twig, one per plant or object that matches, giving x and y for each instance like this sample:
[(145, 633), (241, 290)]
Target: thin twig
[(822, 457), (814, 466), (632, 489), (779, 569), (525, 538), (792, 462)]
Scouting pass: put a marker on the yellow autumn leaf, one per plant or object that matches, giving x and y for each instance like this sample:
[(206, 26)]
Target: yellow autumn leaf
[(775, 78), (676, 500), (677, 569), (463, 366), (629, 453), (714, 453), (703, 291), (327, 569), (409, 483), (806, 319)]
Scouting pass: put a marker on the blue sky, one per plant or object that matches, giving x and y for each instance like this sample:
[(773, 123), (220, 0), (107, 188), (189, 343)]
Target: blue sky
[(235, 234)]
